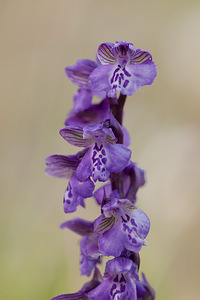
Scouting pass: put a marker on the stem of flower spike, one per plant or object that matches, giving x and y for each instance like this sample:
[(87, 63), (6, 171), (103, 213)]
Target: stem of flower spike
[(117, 110)]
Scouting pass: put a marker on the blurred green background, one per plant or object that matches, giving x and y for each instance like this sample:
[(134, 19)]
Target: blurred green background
[(38, 39)]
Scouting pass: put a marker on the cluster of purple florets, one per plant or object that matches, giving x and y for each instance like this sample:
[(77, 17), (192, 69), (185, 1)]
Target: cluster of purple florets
[(121, 228)]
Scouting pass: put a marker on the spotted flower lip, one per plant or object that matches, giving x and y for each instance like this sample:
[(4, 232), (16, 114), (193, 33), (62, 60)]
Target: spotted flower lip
[(122, 226), (76, 192), (119, 281), (102, 154), (122, 68)]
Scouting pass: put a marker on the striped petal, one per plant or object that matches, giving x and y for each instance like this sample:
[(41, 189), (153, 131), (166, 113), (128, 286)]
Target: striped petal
[(105, 54), (61, 166), (80, 72), (79, 226), (74, 136), (105, 224), (140, 57)]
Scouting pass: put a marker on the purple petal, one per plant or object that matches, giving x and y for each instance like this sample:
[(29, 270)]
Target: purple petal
[(80, 72), (90, 255), (141, 57), (74, 136), (98, 80), (87, 264), (95, 114), (142, 223), (127, 138), (105, 54), (121, 265), (82, 188), (82, 100), (87, 287), (120, 154), (79, 226), (103, 190), (89, 245), (61, 166), (84, 169), (76, 192), (71, 200), (101, 292), (96, 280), (141, 74), (111, 242), (134, 179), (150, 292)]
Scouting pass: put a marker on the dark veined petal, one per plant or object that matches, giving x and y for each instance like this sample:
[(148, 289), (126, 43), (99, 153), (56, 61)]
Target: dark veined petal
[(140, 57), (105, 54), (105, 224), (74, 136), (61, 166), (79, 72), (79, 226)]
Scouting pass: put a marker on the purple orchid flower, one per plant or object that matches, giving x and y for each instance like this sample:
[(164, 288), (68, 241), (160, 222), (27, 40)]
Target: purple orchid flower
[(122, 226), (119, 283), (102, 154), (95, 114), (90, 254), (83, 293), (79, 74), (122, 69), (76, 191)]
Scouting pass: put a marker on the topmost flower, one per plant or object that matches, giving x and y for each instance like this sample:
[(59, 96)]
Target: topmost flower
[(122, 68)]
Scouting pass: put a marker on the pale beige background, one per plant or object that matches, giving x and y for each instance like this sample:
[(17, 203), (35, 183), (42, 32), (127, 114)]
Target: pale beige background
[(37, 40)]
